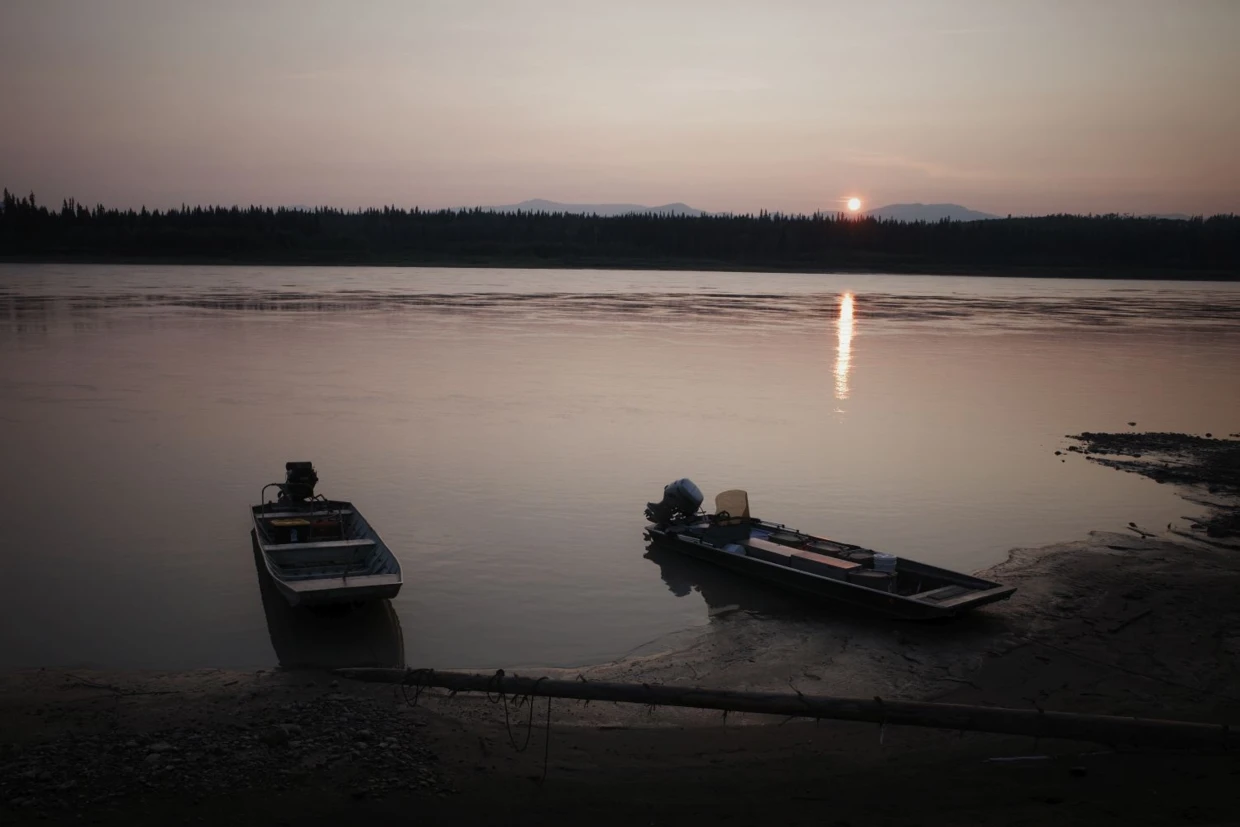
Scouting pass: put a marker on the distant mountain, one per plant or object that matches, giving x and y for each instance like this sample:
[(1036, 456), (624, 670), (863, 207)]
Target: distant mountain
[(928, 212), (542, 205)]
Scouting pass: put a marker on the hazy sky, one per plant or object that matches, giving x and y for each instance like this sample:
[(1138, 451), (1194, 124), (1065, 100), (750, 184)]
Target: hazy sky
[(1002, 105)]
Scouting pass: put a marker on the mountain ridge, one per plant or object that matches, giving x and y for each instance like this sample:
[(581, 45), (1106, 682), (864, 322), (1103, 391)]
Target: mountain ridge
[(904, 212), (543, 205), (928, 212)]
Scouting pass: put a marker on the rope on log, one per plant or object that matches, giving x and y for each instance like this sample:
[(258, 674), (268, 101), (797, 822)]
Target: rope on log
[(1111, 730)]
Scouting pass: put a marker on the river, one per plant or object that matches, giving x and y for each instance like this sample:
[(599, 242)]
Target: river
[(503, 430)]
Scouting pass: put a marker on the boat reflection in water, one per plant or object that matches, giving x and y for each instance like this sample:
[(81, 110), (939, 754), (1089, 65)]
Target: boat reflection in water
[(724, 591), (329, 637)]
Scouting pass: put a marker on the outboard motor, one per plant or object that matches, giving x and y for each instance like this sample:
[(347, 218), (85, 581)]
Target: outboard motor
[(681, 501), (299, 481)]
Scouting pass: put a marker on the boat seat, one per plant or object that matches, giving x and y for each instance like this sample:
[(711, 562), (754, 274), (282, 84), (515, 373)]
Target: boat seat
[(768, 551), (821, 564), (275, 515), (323, 544), (943, 593), (735, 504)]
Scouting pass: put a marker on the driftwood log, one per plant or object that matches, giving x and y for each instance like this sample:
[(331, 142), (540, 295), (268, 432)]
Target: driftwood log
[(1111, 730)]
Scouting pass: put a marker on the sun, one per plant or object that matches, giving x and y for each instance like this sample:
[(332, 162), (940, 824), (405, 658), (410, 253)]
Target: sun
[(854, 204)]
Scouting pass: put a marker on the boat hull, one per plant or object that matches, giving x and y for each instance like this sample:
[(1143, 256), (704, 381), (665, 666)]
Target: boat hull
[(979, 592), (345, 594)]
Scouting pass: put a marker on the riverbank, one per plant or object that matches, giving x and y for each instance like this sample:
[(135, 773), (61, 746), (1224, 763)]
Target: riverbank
[(1206, 468), (1093, 244)]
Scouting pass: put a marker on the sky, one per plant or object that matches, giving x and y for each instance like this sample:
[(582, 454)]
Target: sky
[(1013, 106)]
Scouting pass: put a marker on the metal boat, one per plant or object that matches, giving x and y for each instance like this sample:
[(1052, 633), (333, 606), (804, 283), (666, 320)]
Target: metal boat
[(809, 564), (320, 551)]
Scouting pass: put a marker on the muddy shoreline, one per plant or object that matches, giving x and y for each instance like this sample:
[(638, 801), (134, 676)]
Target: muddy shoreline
[(1206, 468), (1139, 623)]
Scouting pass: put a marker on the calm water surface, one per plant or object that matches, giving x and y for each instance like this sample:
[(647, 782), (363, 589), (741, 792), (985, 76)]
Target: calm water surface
[(504, 429)]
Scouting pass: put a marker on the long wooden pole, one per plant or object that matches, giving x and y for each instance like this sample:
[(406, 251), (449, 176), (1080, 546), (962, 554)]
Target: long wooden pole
[(1102, 729)]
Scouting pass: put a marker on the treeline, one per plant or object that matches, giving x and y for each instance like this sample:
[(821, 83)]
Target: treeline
[(1051, 245)]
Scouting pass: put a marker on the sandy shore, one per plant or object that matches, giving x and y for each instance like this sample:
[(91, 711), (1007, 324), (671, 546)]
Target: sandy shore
[(1127, 624)]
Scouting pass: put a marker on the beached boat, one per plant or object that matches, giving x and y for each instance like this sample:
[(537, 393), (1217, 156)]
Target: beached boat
[(816, 566), (320, 551)]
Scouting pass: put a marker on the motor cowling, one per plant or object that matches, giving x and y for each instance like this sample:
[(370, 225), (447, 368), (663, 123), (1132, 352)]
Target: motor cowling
[(299, 481), (681, 501)]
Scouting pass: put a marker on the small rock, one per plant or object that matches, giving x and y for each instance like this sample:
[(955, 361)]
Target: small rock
[(162, 746), (45, 776), (364, 735), (335, 684), (153, 758)]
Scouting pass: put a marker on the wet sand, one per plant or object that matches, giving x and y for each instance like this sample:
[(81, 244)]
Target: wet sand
[(1141, 624)]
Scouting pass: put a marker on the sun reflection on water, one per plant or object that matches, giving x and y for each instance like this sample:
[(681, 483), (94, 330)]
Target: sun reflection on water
[(843, 353)]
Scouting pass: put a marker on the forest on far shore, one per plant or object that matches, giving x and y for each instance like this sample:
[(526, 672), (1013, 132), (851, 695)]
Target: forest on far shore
[(1054, 245)]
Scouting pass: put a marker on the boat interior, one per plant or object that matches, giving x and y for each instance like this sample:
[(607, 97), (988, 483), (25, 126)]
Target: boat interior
[(318, 539)]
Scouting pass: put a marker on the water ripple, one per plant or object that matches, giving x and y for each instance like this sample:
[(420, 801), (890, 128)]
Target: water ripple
[(1157, 309)]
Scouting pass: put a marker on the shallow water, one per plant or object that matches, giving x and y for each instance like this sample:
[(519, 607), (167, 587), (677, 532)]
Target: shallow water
[(503, 430)]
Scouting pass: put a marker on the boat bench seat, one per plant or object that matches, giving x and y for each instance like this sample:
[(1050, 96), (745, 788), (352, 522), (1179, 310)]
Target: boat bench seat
[(322, 544), (823, 565), (768, 551), (943, 593), (276, 515)]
